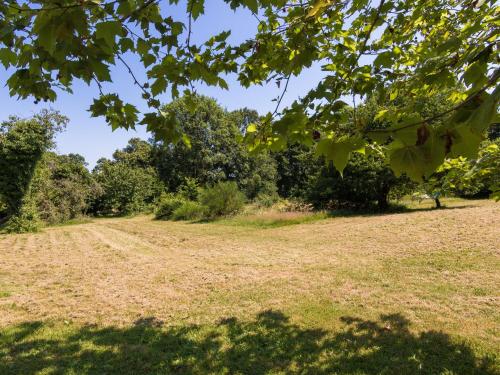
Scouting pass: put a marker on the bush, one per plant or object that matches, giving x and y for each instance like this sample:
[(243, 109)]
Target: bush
[(189, 189), (222, 199), (167, 204), (26, 220), (189, 210)]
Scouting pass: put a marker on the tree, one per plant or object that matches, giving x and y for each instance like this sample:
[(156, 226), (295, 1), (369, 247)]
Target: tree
[(468, 177), (213, 152), (365, 181), (138, 153), (386, 46), (129, 183), (296, 166), (63, 188), (22, 144), (125, 189)]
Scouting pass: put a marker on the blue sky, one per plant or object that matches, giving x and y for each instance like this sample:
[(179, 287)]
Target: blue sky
[(92, 138)]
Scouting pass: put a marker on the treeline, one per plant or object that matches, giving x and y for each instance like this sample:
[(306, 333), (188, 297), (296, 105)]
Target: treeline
[(211, 173)]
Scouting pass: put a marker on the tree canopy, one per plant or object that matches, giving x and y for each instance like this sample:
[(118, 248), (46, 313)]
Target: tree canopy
[(387, 47)]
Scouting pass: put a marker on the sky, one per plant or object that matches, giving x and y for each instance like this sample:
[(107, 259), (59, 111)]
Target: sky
[(93, 138)]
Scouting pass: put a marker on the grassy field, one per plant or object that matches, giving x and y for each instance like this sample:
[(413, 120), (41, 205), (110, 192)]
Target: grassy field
[(403, 293)]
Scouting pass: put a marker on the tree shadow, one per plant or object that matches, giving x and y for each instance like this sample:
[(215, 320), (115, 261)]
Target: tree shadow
[(270, 343), (391, 210)]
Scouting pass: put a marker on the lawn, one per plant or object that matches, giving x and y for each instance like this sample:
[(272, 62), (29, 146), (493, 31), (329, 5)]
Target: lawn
[(415, 292)]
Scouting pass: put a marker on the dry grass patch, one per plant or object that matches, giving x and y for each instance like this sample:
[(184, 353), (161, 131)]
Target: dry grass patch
[(431, 271)]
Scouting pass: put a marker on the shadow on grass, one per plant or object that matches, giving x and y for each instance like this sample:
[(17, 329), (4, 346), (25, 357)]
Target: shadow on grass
[(268, 344), (265, 222), (391, 210)]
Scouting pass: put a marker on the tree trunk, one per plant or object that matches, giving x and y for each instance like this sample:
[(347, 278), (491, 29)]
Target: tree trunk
[(383, 202), (438, 202)]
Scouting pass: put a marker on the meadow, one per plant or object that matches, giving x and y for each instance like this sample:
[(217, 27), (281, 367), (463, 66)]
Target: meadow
[(412, 292)]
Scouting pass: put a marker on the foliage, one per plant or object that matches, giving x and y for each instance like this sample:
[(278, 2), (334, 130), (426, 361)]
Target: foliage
[(261, 176), (296, 166), (189, 190), (366, 180), (22, 145), (222, 199), (212, 151), (189, 210), (468, 178), (485, 170), (25, 220), (125, 189), (137, 153), (364, 47), (167, 204), (63, 188)]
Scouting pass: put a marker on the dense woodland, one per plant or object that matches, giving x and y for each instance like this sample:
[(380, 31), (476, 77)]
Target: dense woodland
[(212, 173)]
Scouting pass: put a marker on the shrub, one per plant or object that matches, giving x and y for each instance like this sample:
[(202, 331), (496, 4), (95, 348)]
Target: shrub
[(167, 204), (189, 189), (222, 199), (26, 220), (189, 210)]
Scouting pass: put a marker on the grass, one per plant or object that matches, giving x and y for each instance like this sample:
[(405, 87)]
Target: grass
[(273, 219), (75, 221), (404, 293), (270, 343)]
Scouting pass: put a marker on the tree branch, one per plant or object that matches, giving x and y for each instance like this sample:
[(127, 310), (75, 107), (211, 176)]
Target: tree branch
[(493, 80)]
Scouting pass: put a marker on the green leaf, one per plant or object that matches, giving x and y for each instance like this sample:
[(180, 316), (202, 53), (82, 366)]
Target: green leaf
[(253, 5), (7, 57), (47, 38), (252, 128), (126, 44), (465, 142), (108, 31), (408, 160), (482, 117), (317, 7), (196, 8), (475, 74), (384, 59), (434, 151), (339, 150), (158, 86), (380, 114)]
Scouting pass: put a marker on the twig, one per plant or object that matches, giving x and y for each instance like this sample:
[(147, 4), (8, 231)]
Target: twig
[(133, 75), (281, 96)]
